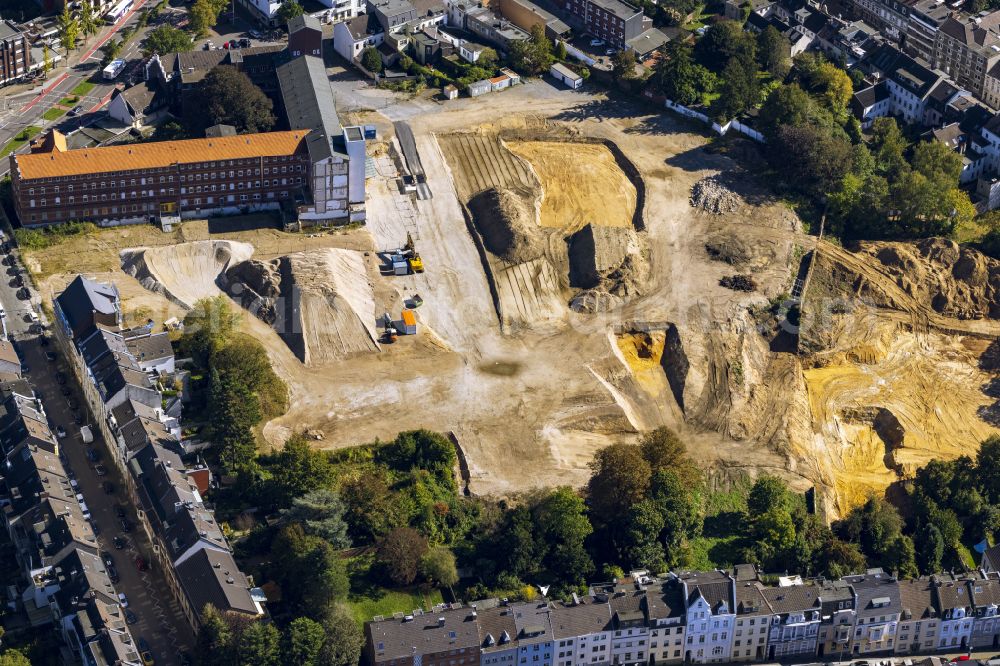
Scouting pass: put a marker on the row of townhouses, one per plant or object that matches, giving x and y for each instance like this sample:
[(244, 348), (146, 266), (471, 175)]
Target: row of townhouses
[(701, 617), (429, 30), (123, 372), (66, 583)]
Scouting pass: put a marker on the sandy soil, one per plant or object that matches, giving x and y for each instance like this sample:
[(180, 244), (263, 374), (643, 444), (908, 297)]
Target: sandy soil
[(582, 184)]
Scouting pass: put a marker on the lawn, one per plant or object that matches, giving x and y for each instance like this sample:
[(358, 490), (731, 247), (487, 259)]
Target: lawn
[(83, 88), (54, 113), (24, 137), (386, 602), (717, 546), (69, 101), (369, 598)]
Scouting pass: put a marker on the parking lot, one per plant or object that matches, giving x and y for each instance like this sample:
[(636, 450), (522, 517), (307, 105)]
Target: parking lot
[(156, 619)]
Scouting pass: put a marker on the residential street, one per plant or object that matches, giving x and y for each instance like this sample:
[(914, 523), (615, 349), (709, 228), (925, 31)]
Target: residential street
[(160, 621)]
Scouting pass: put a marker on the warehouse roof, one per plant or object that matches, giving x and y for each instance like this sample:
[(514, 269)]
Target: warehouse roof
[(159, 154), (309, 103)]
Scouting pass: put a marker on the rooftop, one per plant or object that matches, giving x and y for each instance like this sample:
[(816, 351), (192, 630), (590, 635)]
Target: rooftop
[(620, 9), (160, 154)]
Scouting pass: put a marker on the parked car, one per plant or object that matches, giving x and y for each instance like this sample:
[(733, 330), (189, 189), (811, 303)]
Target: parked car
[(144, 652), (94, 526), (256, 34), (107, 558), (208, 46), (60, 432), (119, 543), (2, 313), (76, 110), (244, 43), (112, 574), (100, 470), (141, 563), (130, 616), (123, 600)]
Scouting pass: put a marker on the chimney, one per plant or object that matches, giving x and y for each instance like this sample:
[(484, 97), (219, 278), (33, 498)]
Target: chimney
[(441, 621)]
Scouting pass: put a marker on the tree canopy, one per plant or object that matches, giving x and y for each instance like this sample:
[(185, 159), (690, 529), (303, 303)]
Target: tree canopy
[(228, 96)]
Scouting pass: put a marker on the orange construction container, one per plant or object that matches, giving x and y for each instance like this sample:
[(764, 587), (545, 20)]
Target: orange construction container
[(409, 322)]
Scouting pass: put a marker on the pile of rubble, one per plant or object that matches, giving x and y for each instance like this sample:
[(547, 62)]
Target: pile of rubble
[(739, 283), (714, 195)]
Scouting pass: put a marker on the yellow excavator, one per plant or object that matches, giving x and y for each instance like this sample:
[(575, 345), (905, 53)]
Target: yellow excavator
[(413, 259)]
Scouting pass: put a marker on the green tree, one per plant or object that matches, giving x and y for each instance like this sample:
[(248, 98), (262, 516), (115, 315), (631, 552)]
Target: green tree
[(259, 645), (420, 449), (90, 22), (111, 50), (988, 461), (488, 60), (739, 89), (299, 467), (785, 105), (623, 65), (290, 9), (722, 42), (900, 557), (302, 642), (620, 478), (311, 574), (215, 639), (774, 535), (343, 638), (69, 29), (13, 657), (664, 450), (46, 60), (165, 39), (371, 60), (679, 504), (228, 96), (766, 494), (400, 552), (321, 514), (437, 566), (640, 544), (207, 328), (560, 51), (835, 87), (521, 554), (931, 551), (531, 56), (680, 78), (562, 524), (203, 15), (822, 159), (888, 147), (875, 526), (773, 52)]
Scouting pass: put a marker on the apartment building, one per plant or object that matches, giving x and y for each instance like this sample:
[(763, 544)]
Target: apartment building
[(15, 53), (535, 641), (447, 637), (919, 618), (753, 619), (878, 609), (985, 593), (711, 616), (795, 619), (665, 613), (65, 582), (497, 635), (955, 608), (142, 434), (965, 50), (582, 632), (614, 21), (925, 19), (837, 617)]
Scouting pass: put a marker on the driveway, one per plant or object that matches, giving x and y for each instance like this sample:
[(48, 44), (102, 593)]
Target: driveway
[(160, 621)]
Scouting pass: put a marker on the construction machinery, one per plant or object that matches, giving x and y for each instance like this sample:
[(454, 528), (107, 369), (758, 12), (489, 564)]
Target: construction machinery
[(390, 334), (406, 260)]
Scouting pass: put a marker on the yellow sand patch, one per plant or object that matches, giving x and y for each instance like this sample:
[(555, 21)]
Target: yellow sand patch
[(642, 352), (581, 182)]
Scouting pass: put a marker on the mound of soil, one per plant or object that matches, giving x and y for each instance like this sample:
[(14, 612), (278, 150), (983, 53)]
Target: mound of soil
[(955, 281), (507, 221), (186, 272), (739, 252), (739, 283), (257, 286), (715, 195), (609, 259)]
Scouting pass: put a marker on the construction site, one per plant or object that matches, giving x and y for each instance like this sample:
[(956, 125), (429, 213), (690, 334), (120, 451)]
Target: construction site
[(572, 274)]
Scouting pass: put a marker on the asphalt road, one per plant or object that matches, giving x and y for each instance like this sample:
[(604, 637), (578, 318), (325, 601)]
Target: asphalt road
[(160, 621)]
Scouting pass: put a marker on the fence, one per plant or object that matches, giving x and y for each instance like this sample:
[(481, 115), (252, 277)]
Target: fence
[(577, 53), (720, 129)]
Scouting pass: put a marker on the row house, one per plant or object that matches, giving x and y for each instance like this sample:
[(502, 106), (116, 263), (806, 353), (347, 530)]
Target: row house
[(121, 371), (66, 583), (838, 614), (985, 593), (954, 604), (581, 632), (919, 617), (878, 612), (965, 48), (665, 612), (753, 618), (711, 617), (794, 622)]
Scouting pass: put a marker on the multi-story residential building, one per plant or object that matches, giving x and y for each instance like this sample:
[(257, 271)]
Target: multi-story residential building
[(795, 619), (925, 19), (955, 608), (630, 637), (878, 612), (15, 53), (534, 634), (711, 616), (581, 632), (614, 21), (665, 613), (124, 395), (753, 619), (497, 635), (964, 50), (919, 618), (305, 36), (838, 614), (446, 637), (985, 593)]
